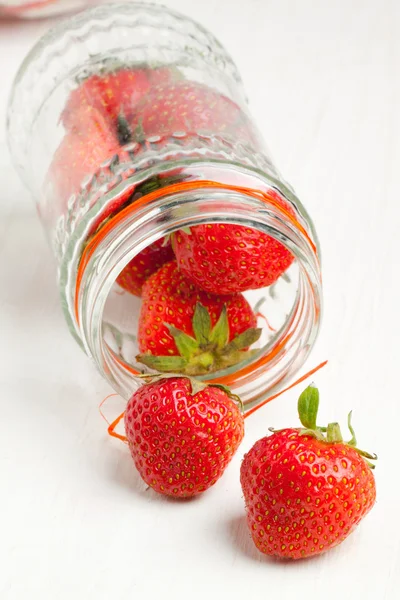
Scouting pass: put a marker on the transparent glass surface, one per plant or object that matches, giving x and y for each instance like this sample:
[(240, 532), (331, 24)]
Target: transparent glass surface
[(130, 125)]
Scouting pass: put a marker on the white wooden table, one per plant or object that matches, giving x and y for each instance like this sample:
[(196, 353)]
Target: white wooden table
[(75, 520)]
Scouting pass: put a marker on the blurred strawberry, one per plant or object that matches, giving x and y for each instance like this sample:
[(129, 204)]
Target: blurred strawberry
[(115, 95), (189, 107), (84, 148)]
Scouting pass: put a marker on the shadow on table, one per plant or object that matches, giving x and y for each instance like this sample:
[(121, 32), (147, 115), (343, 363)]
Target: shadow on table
[(239, 535), (121, 471)]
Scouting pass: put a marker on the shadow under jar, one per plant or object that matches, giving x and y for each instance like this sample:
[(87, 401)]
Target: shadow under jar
[(129, 125)]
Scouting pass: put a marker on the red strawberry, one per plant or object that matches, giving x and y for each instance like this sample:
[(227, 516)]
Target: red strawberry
[(143, 265), (185, 330), (182, 434), (190, 107), (89, 143), (26, 6), (305, 489), (114, 94), (225, 259)]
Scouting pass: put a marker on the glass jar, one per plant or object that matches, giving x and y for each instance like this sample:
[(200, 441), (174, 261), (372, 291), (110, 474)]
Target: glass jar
[(129, 124), (39, 8)]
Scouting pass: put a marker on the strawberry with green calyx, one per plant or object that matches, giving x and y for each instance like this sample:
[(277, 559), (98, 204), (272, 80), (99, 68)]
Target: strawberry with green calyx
[(208, 350), (226, 259), (183, 329), (306, 489), (182, 434)]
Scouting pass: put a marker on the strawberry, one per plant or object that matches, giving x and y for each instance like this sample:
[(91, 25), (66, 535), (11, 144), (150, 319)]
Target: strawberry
[(143, 265), (89, 143), (26, 6), (305, 489), (183, 329), (225, 259), (189, 107), (114, 94), (182, 434)]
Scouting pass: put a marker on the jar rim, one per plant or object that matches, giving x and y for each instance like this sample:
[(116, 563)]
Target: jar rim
[(99, 236), (290, 228)]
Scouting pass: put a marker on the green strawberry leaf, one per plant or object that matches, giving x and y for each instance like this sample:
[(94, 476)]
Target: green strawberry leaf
[(353, 441), (187, 346), (220, 333), (201, 324), (235, 357), (333, 433), (244, 340), (307, 407), (163, 363)]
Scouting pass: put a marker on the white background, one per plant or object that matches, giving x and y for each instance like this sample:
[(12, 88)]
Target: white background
[(76, 520)]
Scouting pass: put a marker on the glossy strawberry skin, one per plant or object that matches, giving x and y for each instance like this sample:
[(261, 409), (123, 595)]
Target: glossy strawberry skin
[(169, 297), (147, 262), (226, 259), (180, 442), (192, 108), (304, 496)]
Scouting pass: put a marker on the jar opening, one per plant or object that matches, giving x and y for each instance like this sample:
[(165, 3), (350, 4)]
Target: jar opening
[(288, 311)]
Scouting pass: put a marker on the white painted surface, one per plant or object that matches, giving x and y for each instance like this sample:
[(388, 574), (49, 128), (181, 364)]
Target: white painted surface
[(76, 521)]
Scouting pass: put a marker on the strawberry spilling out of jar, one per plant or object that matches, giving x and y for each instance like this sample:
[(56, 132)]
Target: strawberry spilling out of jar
[(182, 435), (186, 330), (305, 489)]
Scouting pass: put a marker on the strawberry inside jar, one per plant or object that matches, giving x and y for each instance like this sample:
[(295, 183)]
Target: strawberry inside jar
[(180, 249), (207, 267)]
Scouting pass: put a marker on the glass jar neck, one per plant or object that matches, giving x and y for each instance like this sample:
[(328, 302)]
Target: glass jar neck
[(264, 207)]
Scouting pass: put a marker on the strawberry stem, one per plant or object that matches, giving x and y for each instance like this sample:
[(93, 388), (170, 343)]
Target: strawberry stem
[(308, 407), (353, 441), (289, 387), (333, 433), (207, 352), (308, 410)]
